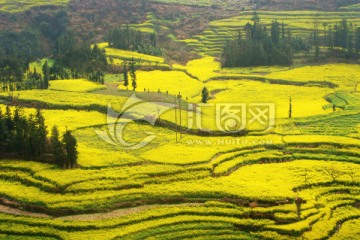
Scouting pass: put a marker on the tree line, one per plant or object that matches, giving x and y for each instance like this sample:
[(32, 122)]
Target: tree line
[(127, 38), (26, 136), (30, 80), (17, 50), (276, 46), (72, 60), (342, 36), (76, 60), (261, 46), (129, 69)]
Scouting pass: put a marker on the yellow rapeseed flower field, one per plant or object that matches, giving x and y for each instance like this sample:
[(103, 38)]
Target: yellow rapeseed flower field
[(171, 82), (75, 85)]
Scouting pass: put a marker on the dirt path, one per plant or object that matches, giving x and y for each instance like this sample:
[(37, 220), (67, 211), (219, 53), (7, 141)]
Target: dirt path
[(119, 213), (90, 217), (17, 212)]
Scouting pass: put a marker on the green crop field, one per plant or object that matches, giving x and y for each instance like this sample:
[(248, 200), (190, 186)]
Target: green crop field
[(18, 6), (191, 180)]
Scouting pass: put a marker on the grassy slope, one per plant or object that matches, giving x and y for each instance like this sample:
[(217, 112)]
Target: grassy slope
[(19, 6)]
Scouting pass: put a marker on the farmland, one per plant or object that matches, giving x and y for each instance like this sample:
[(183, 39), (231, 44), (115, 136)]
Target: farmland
[(145, 193), (300, 23), (18, 6), (298, 178)]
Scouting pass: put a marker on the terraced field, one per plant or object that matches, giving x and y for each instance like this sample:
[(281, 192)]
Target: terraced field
[(223, 196), (77, 85), (241, 188), (299, 179), (301, 23), (19, 6)]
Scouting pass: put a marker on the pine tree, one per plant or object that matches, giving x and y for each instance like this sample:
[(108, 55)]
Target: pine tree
[(57, 147), (46, 73), (2, 130), (357, 40), (126, 76), (41, 133), (32, 138), (316, 40), (9, 126), (20, 131), (71, 149), (133, 74), (283, 31), (204, 95), (275, 32), (344, 34)]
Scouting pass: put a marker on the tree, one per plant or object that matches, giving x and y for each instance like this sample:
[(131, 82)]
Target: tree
[(316, 40), (40, 133), (9, 126), (133, 74), (204, 95), (357, 40), (19, 138), (275, 32), (71, 149), (31, 148), (344, 34), (256, 18), (2, 130), (126, 76), (283, 31), (333, 173), (46, 73), (57, 147), (299, 201)]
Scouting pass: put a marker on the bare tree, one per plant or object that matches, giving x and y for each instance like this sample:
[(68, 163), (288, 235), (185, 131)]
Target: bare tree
[(352, 174), (306, 176), (356, 86), (299, 201), (333, 173)]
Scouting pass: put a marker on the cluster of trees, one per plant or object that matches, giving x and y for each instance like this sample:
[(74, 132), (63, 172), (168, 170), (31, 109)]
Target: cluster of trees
[(28, 81), (261, 46), (129, 39), (72, 60), (26, 136), (342, 36), (17, 50), (76, 60), (130, 69), (11, 69), (276, 46), (19, 47)]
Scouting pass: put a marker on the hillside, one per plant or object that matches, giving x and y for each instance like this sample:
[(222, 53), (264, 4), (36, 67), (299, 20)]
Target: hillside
[(180, 119), (305, 4)]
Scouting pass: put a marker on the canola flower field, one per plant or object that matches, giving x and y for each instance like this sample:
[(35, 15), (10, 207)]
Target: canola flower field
[(241, 189), (201, 187)]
